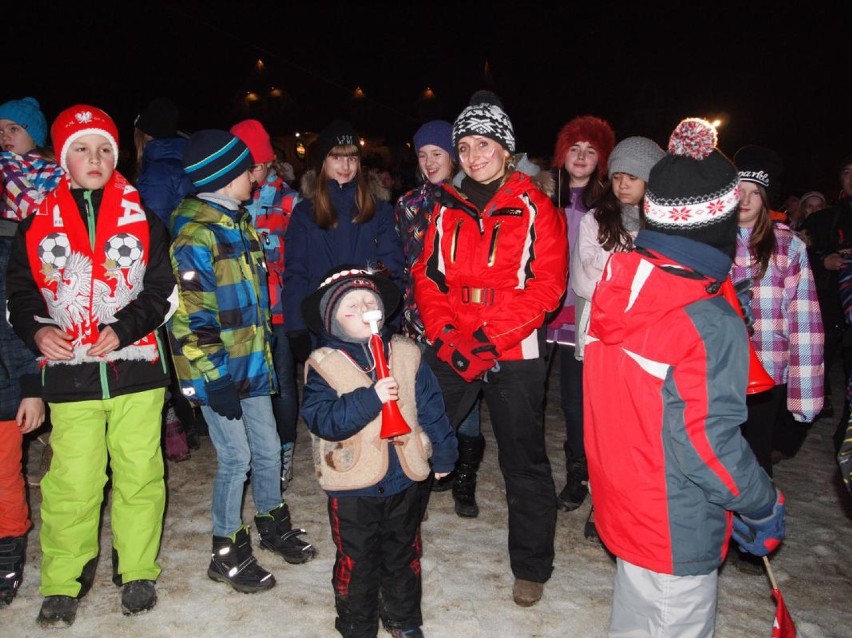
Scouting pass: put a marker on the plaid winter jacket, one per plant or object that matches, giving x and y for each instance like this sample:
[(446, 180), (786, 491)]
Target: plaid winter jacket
[(788, 334), (221, 325)]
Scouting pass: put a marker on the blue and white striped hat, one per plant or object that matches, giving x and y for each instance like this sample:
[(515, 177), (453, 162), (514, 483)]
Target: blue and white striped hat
[(213, 159)]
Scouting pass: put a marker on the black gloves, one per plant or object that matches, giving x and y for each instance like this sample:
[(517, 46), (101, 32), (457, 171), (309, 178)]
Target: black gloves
[(223, 398)]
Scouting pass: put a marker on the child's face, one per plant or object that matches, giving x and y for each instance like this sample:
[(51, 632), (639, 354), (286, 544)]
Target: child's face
[(581, 160), (628, 188), (350, 310), (240, 187), (90, 161), (15, 138)]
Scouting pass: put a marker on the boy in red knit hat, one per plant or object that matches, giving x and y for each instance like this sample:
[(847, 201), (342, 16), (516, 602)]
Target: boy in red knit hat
[(270, 206), (89, 284)]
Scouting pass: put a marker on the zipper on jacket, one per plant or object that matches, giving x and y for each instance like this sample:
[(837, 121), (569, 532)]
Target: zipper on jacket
[(454, 242), (90, 217), (92, 228), (492, 249)]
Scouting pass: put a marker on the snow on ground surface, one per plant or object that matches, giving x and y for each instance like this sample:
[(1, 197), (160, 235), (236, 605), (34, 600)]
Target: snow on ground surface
[(467, 583)]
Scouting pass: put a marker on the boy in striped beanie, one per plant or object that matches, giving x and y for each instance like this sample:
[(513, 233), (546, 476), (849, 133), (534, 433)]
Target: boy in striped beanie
[(220, 339)]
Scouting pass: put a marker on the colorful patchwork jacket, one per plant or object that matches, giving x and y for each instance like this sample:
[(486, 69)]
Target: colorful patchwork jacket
[(221, 325)]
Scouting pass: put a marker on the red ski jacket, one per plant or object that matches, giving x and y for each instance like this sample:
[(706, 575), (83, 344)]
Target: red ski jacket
[(501, 269)]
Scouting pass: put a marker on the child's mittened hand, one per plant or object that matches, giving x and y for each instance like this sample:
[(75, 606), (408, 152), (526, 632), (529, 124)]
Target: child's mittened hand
[(387, 389)]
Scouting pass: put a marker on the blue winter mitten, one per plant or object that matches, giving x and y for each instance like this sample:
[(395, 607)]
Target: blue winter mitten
[(763, 533), (223, 398)]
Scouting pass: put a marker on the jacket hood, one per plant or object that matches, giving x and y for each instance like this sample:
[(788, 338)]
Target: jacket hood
[(638, 289), (166, 148), (308, 186)]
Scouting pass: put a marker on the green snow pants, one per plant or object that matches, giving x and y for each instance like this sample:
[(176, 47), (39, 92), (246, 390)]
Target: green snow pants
[(125, 429)]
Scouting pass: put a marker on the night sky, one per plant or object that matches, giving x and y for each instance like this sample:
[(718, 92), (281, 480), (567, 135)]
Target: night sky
[(776, 74)]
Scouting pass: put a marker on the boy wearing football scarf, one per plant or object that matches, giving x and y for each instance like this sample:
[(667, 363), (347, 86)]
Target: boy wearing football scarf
[(89, 284)]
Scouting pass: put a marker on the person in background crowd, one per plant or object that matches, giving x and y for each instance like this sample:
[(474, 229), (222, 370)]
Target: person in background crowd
[(343, 217), (28, 172), (787, 332), (828, 236), (159, 149), (580, 160), (665, 372), (162, 184), (270, 207), (437, 164), (494, 263), (811, 202)]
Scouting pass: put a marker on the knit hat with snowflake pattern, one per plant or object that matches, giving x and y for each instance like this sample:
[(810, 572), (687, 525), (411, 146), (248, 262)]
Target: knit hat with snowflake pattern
[(485, 117), (694, 190), (77, 121)]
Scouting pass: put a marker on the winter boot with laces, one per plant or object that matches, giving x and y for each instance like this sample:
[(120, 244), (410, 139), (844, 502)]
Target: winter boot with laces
[(471, 450), (232, 562), (12, 552), (577, 485), (277, 535)]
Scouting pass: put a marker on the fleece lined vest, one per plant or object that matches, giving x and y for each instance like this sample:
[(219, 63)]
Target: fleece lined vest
[(362, 460)]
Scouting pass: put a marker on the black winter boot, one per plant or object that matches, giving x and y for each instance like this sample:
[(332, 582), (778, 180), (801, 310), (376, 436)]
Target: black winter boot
[(138, 596), (277, 535), (471, 450), (232, 562), (577, 485), (12, 553), (58, 609)]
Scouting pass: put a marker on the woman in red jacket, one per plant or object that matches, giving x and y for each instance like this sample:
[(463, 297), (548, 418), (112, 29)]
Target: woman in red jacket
[(493, 265)]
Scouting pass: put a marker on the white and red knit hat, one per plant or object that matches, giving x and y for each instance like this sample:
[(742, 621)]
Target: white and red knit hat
[(77, 121), (693, 191)]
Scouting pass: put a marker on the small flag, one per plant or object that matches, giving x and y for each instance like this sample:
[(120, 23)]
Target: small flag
[(783, 626)]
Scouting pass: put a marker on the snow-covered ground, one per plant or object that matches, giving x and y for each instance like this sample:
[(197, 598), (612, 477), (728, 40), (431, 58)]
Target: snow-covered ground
[(466, 578)]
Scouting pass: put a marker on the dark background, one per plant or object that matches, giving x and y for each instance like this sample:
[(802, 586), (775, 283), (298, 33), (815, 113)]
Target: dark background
[(777, 76)]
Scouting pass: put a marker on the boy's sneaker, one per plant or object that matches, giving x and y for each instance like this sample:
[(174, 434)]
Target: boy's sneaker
[(138, 596), (277, 535), (414, 632), (56, 610)]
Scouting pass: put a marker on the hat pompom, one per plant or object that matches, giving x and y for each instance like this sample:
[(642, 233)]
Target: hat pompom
[(694, 137), (484, 96)]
